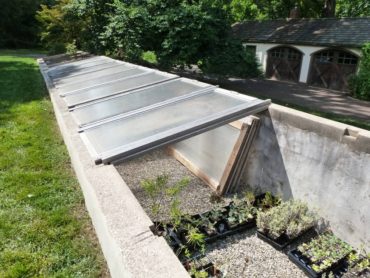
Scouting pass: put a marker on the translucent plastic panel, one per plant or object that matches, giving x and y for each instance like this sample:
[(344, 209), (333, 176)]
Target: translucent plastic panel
[(134, 100), (72, 68), (113, 88), (211, 150), (84, 71), (144, 128), (98, 78), (65, 65)]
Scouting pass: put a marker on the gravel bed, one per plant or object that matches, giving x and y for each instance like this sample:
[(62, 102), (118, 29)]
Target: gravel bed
[(195, 198), (241, 255)]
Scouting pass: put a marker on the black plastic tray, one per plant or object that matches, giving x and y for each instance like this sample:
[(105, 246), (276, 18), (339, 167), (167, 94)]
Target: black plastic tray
[(303, 263), (283, 241), (231, 231)]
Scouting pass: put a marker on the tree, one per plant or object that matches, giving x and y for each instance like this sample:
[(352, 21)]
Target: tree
[(179, 32), (79, 21), (360, 84), (18, 27), (329, 8), (352, 8)]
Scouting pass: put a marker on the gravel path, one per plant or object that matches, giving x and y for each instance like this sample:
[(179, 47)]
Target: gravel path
[(238, 256), (245, 255)]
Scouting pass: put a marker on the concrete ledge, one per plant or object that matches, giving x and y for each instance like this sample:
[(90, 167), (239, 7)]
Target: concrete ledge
[(122, 226), (357, 139)]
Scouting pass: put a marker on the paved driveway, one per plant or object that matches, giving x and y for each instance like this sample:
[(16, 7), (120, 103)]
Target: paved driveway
[(300, 94), (315, 98)]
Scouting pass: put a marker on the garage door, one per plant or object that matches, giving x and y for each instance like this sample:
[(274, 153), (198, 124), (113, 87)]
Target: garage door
[(331, 69), (284, 63)]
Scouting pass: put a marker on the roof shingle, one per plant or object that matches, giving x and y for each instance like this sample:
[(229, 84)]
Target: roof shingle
[(345, 32)]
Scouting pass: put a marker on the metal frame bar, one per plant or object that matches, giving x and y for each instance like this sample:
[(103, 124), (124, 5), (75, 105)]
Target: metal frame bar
[(80, 91), (119, 92), (148, 108)]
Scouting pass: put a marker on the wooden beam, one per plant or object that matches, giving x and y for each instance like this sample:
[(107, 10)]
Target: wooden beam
[(251, 134), (193, 168), (233, 159)]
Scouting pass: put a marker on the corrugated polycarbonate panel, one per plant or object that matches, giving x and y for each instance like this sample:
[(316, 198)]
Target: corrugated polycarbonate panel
[(110, 75), (64, 65), (125, 110), (134, 100), (127, 137), (101, 74), (70, 68), (84, 71), (115, 88)]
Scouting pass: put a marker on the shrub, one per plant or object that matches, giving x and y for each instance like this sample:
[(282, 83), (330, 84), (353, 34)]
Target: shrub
[(231, 59), (360, 84), (290, 218)]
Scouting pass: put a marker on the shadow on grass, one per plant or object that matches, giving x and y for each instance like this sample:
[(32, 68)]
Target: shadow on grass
[(20, 82)]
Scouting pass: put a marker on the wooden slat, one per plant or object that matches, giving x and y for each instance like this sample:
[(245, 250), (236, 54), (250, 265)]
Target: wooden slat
[(233, 159), (251, 134), (193, 168)]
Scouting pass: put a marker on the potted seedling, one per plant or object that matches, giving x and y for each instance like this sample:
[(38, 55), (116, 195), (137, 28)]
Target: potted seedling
[(359, 266), (158, 190), (321, 255), (284, 223), (266, 201), (207, 226), (199, 268), (240, 212)]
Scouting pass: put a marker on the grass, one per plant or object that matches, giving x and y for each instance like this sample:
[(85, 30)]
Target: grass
[(45, 230)]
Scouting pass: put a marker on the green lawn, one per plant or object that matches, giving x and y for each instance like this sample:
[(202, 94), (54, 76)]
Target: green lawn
[(45, 230)]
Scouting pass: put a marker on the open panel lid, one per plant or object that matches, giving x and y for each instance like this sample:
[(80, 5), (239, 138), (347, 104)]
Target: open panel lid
[(145, 130), (124, 110)]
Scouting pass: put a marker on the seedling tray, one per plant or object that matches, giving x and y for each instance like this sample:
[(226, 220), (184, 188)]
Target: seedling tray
[(208, 267), (228, 231), (304, 264), (283, 241)]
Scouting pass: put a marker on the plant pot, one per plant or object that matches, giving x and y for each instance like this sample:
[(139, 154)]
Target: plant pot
[(208, 267)]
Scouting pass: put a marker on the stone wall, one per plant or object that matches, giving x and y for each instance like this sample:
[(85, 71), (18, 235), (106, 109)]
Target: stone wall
[(325, 163)]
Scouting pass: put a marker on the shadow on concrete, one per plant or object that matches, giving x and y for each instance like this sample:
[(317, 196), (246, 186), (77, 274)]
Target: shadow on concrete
[(265, 168)]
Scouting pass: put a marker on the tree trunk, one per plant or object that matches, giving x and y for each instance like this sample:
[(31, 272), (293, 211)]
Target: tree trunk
[(329, 8)]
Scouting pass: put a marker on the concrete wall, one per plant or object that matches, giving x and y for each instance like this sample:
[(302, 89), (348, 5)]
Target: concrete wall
[(307, 51), (325, 163)]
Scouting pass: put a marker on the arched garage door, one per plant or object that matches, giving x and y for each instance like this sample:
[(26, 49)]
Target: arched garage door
[(284, 63), (331, 68)]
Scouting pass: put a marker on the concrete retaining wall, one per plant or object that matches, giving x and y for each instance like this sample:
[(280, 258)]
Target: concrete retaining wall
[(322, 162), (121, 224)]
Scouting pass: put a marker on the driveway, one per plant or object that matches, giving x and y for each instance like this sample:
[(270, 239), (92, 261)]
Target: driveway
[(300, 94), (315, 98)]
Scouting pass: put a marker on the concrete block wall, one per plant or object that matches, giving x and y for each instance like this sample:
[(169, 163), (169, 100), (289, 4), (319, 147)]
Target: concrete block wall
[(325, 163)]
